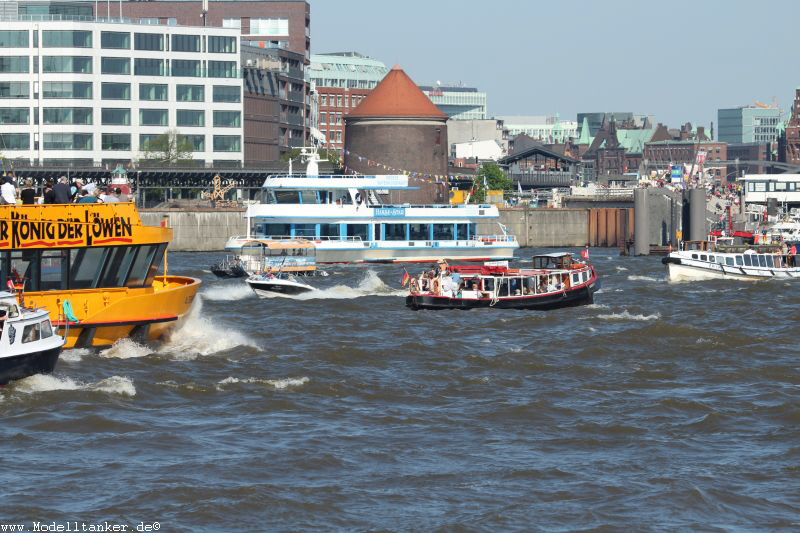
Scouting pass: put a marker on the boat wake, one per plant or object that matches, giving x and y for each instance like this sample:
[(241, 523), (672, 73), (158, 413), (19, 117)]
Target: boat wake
[(625, 315), (126, 349), (46, 383), (370, 285), (643, 278), (228, 292), (278, 384)]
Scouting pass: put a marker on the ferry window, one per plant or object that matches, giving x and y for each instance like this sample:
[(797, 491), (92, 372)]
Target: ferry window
[(762, 260), (576, 279), (308, 197), (703, 258), (329, 230), (277, 230), (792, 186), (31, 333), (515, 286), (286, 197), (305, 230), (419, 232), (771, 186), (530, 285), (117, 266), (357, 230), (53, 270), (488, 284), (157, 259), (443, 232), (720, 260), (759, 186), (85, 264), (395, 232), (503, 289), (22, 268), (750, 187), (461, 232), (780, 186), (747, 261), (141, 266), (694, 256), (729, 261), (473, 230), (46, 329), (768, 259), (739, 261)]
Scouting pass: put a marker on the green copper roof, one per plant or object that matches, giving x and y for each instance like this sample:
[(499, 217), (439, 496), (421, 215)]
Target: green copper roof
[(585, 138), (633, 140)]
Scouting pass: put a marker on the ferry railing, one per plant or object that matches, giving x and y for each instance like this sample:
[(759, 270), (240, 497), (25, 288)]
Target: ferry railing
[(289, 237), (495, 238)]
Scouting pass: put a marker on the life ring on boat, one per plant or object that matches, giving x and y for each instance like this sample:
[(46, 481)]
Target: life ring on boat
[(435, 286)]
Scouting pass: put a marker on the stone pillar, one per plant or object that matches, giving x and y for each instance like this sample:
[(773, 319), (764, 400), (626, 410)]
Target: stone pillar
[(641, 223)]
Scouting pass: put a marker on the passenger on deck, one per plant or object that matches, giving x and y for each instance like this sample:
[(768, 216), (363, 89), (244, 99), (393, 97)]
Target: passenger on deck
[(2, 319)]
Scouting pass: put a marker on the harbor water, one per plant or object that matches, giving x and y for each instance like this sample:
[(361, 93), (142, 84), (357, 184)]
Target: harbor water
[(660, 407)]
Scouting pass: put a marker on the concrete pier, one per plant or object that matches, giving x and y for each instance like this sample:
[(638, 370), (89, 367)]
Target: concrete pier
[(641, 223), (698, 226)]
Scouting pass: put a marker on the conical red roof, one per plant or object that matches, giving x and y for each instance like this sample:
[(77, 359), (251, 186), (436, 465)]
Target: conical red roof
[(397, 96)]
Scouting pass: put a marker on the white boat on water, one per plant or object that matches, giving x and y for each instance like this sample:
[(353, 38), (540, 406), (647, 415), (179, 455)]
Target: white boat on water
[(701, 260), (347, 221), (280, 284)]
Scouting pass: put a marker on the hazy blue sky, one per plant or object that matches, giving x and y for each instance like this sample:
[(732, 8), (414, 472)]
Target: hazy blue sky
[(676, 59)]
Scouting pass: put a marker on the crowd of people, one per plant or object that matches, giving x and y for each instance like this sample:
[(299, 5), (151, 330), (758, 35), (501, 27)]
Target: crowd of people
[(60, 192)]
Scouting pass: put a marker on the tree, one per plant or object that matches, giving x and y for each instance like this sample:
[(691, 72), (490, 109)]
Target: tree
[(490, 177), (169, 148)]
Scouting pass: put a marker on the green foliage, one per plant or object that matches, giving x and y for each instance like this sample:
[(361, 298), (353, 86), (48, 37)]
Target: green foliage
[(169, 148), (495, 179)]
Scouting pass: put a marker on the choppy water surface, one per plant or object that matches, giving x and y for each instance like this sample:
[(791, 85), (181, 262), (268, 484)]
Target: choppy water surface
[(660, 407)]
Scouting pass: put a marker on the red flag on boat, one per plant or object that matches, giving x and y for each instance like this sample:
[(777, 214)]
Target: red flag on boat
[(585, 253)]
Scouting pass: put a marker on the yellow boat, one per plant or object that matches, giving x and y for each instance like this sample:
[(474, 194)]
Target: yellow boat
[(93, 267)]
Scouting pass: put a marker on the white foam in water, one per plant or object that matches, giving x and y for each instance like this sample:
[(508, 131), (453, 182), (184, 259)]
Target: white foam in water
[(198, 335), (620, 269), (625, 315), (228, 292), (126, 348), (47, 383), (74, 355), (642, 278), (370, 285), (279, 384)]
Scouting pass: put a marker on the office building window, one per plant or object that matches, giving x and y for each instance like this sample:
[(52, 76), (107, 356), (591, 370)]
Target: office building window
[(115, 40), (147, 141), (227, 93), (67, 64), (185, 43), (186, 68), (115, 65), (67, 115), (153, 92), (232, 23), (222, 69), (14, 64), (66, 39), (116, 116), (116, 141), (148, 41), (14, 89), (14, 39), (14, 115), (67, 141), (269, 27), (153, 117), (191, 117), (148, 67), (190, 93), (198, 142), (116, 91), (221, 45), (323, 118), (227, 119), (67, 89), (15, 141), (227, 143)]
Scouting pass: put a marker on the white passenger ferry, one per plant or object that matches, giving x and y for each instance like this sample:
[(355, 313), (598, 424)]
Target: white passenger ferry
[(346, 219), (703, 260)]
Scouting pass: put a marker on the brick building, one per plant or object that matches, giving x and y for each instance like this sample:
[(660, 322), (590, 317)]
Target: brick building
[(789, 141), (675, 152)]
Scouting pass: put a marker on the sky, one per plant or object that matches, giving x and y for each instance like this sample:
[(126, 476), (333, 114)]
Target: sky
[(678, 60)]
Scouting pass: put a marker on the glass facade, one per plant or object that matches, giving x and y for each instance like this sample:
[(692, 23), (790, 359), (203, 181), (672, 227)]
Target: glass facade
[(186, 68), (14, 115), (148, 41), (67, 64), (67, 115), (14, 89), (116, 91), (148, 67), (115, 40), (115, 65), (66, 39), (222, 69), (67, 141), (227, 119), (14, 64), (227, 93), (14, 39), (221, 45), (15, 141), (153, 117), (145, 139), (116, 116), (198, 142), (190, 93), (227, 143), (185, 43), (67, 89), (153, 92), (191, 117), (116, 141)]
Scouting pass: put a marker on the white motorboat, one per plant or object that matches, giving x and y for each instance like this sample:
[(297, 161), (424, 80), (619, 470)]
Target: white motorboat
[(280, 284), (28, 344), (699, 261)]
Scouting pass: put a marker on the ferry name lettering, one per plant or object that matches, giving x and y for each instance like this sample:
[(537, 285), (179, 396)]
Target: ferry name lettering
[(20, 230)]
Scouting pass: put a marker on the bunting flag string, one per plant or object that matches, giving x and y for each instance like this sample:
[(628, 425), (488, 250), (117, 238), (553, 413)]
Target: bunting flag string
[(412, 175)]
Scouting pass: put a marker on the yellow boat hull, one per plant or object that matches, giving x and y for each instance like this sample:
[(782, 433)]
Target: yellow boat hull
[(107, 315)]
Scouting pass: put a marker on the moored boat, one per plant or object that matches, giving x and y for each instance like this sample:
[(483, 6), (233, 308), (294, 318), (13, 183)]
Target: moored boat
[(28, 344), (553, 281), (94, 268)]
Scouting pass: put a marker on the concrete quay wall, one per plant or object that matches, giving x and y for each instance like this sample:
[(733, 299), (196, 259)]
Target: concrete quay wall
[(543, 227), (198, 230)]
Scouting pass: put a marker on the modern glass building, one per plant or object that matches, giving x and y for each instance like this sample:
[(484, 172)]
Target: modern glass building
[(750, 124), (459, 103), (93, 92), (548, 129)]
